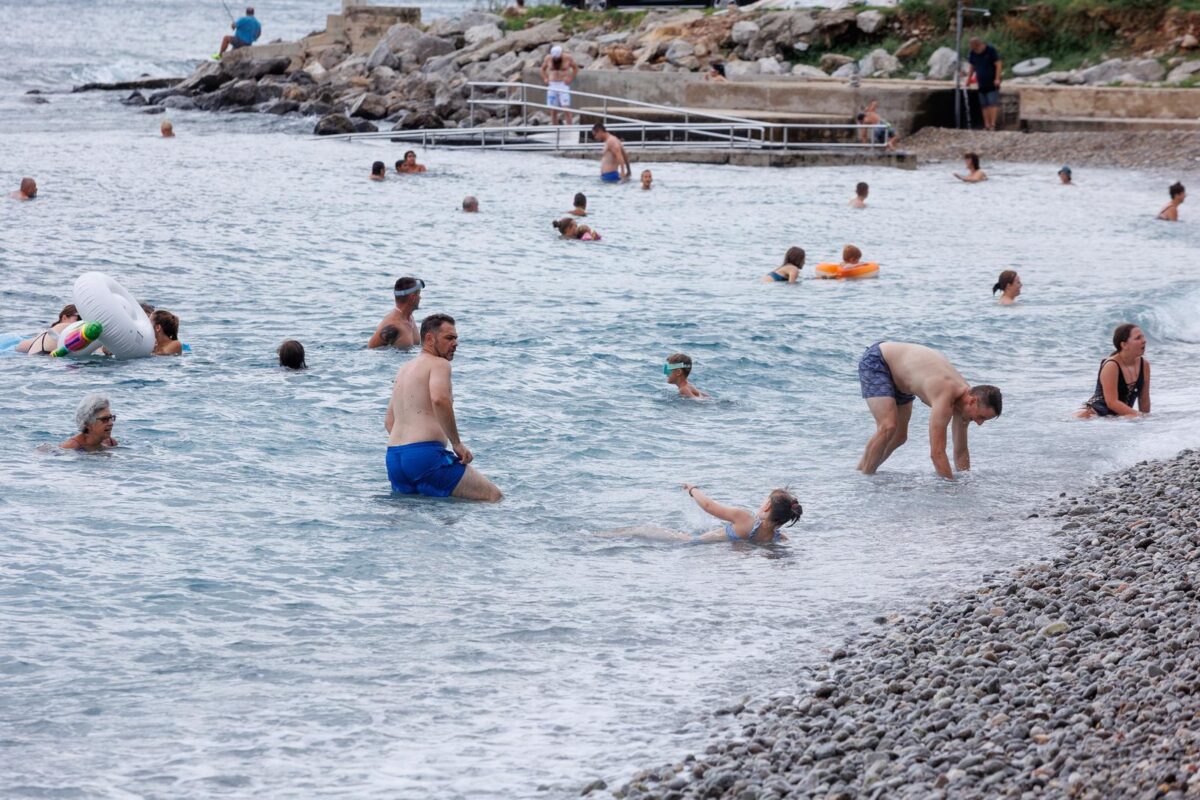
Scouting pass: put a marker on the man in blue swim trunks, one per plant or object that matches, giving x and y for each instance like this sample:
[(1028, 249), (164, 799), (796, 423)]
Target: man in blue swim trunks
[(892, 375), (245, 33), (614, 163), (420, 422)]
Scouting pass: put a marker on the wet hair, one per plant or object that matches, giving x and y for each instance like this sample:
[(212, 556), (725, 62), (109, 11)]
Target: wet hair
[(599, 126), (147, 309), (681, 358), (88, 409), (785, 508), (861, 189), (1006, 277), (168, 322), (68, 310), (408, 153), (470, 203), (580, 200), (990, 396), (433, 323), (389, 334), (795, 257), (1121, 336), (1176, 189), (407, 282), (399, 163), (378, 168), (563, 225), (291, 355), (972, 159), (718, 68), (851, 253), (29, 187)]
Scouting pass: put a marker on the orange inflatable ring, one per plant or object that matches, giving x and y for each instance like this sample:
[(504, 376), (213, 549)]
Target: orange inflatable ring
[(867, 270)]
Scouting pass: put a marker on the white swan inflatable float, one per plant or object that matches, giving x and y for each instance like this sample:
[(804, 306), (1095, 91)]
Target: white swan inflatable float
[(109, 318)]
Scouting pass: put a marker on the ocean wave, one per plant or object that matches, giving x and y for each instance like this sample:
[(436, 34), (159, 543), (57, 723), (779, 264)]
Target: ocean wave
[(1176, 320)]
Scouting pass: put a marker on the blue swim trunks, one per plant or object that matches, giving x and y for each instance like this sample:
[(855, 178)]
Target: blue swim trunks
[(610, 177), (425, 468), (875, 377)]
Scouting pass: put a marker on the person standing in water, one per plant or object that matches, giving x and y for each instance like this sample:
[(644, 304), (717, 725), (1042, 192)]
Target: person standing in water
[(166, 333), (245, 33), (789, 272), (677, 369), (974, 173), (1123, 379), (407, 295), (1170, 213), (408, 165), (892, 375), (420, 422), (1009, 285), (614, 163), (558, 71), (860, 195), (580, 209)]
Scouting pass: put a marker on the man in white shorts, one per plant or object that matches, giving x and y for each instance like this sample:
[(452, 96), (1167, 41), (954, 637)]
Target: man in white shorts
[(558, 70)]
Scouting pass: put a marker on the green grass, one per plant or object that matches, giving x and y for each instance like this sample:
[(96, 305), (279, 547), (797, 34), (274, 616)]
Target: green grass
[(575, 21)]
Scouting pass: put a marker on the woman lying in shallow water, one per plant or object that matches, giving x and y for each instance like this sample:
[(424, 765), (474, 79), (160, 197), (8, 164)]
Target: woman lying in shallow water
[(762, 527)]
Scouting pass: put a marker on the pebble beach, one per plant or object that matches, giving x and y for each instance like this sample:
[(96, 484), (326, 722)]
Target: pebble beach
[(1125, 149), (1073, 676)]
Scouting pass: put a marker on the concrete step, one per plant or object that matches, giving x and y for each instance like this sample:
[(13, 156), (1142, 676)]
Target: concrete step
[(758, 115), (1067, 124)]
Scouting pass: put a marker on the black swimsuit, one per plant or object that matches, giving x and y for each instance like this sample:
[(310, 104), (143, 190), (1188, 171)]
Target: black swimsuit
[(1126, 394)]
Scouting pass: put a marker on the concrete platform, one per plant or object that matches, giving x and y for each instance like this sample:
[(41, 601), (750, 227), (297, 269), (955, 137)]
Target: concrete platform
[(762, 158), (1118, 124)]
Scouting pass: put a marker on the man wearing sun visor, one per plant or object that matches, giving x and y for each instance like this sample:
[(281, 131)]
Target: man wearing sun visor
[(408, 300)]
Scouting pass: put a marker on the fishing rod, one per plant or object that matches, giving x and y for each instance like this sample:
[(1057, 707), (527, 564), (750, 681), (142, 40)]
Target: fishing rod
[(227, 11)]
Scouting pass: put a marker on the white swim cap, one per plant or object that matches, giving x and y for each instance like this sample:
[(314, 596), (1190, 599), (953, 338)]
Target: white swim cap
[(556, 51)]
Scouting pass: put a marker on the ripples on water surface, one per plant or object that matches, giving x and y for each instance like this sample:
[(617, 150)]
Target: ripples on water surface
[(232, 604)]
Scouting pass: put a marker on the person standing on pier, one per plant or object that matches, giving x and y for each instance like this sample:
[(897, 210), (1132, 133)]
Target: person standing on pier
[(558, 70)]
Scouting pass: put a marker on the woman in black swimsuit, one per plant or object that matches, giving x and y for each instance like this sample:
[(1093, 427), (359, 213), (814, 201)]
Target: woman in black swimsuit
[(47, 341), (1124, 378)]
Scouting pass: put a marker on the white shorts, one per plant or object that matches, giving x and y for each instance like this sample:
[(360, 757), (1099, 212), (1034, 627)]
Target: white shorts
[(558, 94)]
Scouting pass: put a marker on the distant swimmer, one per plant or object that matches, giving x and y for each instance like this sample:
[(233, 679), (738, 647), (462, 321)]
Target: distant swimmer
[(1064, 176), (716, 73), (779, 510), (860, 195), (974, 173), (1009, 286), (580, 209), (1123, 379), (570, 229), (167, 129), (677, 369), (95, 420), (291, 355), (470, 204), (378, 171), (407, 295), (789, 272), (408, 165), (166, 334), (420, 423), (893, 374), (245, 33), (647, 179), (614, 163), (558, 72), (1170, 213), (46, 342), (28, 190)]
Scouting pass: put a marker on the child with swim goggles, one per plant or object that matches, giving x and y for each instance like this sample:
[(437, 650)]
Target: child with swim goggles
[(677, 369)]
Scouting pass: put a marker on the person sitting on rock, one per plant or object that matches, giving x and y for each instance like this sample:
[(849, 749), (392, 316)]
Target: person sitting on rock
[(470, 204), (974, 173), (860, 195), (28, 190), (378, 171), (1170, 213), (291, 355), (570, 229), (716, 73), (167, 129), (580, 209), (408, 165), (245, 33)]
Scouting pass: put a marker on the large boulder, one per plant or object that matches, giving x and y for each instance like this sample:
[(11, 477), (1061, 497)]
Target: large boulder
[(428, 47), (1146, 69), (281, 107), (234, 95), (458, 26), (382, 56), (831, 61), (520, 41), (369, 106), (1104, 72), (255, 68), (364, 126), (135, 99), (846, 70), (735, 68), (316, 108), (678, 51), (869, 21), (743, 31), (878, 62), (178, 103), (207, 77), (482, 34), (909, 49), (421, 118), (1184, 71), (331, 124), (621, 56), (808, 71), (770, 66), (942, 64)]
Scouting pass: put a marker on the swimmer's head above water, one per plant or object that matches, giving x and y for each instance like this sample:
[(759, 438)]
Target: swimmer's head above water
[(1176, 190), (678, 366), (470, 204), (291, 355), (378, 171), (861, 190), (407, 292), (647, 178), (972, 160), (1009, 283), (1064, 175), (166, 129), (851, 254), (782, 508), (28, 189)]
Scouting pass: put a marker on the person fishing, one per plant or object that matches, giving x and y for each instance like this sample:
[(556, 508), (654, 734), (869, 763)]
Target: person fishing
[(246, 31)]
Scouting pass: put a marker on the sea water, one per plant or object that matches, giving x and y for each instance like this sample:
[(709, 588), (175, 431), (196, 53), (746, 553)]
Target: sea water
[(232, 604)]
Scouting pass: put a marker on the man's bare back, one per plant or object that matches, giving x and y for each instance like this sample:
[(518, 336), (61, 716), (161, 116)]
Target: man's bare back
[(410, 411), (613, 159), (404, 323), (922, 371)]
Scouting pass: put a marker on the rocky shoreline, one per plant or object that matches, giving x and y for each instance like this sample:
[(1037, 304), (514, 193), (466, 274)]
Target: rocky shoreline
[(1127, 149), (1078, 676)]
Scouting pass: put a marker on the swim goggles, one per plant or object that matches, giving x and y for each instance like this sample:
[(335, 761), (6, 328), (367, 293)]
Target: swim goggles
[(412, 290), (667, 368)]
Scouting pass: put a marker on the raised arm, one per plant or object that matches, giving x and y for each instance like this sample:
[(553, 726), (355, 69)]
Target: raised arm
[(710, 506), (962, 456), (1108, 383), (1144, 397), (939, 417)]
